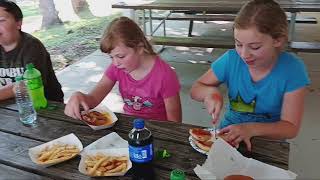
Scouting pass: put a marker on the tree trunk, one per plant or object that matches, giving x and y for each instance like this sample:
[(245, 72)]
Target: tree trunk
[(49, 13), (79, 5)]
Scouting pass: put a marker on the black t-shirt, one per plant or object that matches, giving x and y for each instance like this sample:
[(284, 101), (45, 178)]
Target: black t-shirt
[(30, 50)]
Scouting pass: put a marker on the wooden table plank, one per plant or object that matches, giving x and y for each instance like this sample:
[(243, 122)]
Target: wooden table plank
[(49, 129), (269, 151), (8, 172), (16, 155), (17, 139)]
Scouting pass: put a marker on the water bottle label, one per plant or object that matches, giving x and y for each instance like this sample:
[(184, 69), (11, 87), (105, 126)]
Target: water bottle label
[(34, 83), (141, 154)]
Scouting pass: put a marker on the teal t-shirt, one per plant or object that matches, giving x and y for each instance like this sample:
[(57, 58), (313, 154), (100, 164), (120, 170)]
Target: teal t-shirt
[(257, 101)]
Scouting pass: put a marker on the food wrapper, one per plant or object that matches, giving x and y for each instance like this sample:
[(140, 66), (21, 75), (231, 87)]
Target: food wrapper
[(69, 139), (103, 109), (107, 152), (110, 141), (111, 144), (224, 160)]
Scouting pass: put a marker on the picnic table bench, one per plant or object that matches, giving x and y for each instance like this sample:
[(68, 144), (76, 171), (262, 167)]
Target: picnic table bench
[(219, 10), (208, 16), (16, 139), (226, 43)]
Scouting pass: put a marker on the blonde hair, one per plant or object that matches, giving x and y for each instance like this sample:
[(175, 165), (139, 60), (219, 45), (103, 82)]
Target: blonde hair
[(126, 31), (266, 15)]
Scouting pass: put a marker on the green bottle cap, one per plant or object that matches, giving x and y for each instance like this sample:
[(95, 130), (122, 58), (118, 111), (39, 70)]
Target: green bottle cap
[(177, 174), (30, 66), (163, 154), (18, 78)]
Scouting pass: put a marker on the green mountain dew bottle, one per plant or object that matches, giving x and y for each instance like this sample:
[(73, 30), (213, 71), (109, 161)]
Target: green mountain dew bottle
[(35, 87)]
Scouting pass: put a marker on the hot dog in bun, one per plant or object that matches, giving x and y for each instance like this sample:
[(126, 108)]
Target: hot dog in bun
[(200, 134)]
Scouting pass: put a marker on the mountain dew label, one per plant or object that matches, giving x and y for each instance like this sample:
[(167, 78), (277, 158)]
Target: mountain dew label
[(35, 87), (34, 83)]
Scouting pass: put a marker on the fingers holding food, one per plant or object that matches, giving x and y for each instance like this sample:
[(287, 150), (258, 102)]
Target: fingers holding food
[(96, 118)]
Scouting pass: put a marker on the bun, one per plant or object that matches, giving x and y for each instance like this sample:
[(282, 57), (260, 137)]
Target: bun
[(238, 177), (204, 145), (223, 136), (96, 118), (200, 134)]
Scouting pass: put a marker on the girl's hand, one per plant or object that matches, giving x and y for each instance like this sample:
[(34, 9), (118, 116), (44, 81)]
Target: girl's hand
[(72, 108), (236, 133), (214, 103)]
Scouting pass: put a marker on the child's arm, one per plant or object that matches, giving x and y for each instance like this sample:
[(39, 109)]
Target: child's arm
[(7, 92), (287, 128), (205, 86), (173, 108), (100, 91), (291, 117), (205, 90)]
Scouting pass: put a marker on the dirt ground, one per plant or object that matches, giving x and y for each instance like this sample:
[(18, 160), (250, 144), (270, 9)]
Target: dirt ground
[(62, 57), (77, 42)]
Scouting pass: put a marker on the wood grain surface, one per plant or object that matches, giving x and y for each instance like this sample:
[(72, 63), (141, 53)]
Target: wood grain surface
[(16, 139)]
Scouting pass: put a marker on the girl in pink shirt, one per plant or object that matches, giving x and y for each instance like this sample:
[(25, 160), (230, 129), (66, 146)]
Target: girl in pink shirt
[(148, 85)]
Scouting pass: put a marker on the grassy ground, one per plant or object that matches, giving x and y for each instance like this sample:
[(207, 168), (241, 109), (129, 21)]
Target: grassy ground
[(69, 41)]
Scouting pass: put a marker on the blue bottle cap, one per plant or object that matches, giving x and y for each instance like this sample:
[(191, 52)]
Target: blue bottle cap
[(138, 123)]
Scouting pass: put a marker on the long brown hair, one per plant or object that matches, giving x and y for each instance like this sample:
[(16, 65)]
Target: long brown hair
[(126, 31), (266, 15)]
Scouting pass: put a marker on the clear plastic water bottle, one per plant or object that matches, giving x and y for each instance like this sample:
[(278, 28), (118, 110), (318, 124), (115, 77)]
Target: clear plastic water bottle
[(35, 87), (27, 114), (141, 151)]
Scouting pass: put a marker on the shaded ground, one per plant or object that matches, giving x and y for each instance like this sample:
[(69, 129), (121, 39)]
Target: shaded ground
[(70, 41)]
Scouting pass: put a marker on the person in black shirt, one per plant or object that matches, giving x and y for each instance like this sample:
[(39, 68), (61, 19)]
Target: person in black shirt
[(17, 49)]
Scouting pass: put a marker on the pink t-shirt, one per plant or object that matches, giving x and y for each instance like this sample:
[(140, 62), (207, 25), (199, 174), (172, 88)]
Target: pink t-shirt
[(145, 98)]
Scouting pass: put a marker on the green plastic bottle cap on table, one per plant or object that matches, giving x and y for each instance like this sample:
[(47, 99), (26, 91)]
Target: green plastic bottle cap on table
[(177, 174)]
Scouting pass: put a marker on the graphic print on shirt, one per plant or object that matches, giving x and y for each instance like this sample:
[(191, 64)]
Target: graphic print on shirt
[(137, 103), (7, 75), (239, 105)]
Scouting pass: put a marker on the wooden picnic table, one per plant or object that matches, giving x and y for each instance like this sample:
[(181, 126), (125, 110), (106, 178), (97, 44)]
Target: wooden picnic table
[(16, 139), (218, 7)]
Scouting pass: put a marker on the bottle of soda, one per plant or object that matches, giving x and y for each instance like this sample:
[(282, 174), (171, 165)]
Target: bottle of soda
[(35, 87), (27, 114), (141, 151)]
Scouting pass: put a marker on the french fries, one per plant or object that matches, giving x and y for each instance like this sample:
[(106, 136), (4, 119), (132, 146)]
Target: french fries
[(102, 165), (57, 153)]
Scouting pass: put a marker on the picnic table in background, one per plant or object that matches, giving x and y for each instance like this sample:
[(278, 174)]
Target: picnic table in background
[(16, 139), (218, 10)]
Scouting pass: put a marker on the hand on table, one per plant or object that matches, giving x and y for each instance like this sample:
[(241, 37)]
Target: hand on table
[(72, 108), (234, 134)]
